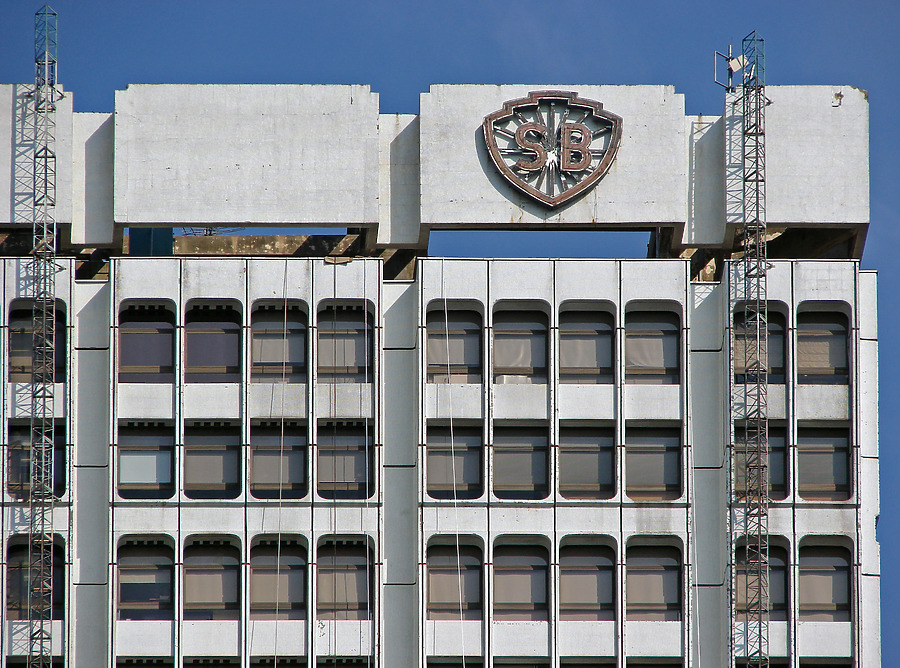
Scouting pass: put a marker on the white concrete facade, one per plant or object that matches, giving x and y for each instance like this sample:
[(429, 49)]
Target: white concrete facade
[(336, 160)]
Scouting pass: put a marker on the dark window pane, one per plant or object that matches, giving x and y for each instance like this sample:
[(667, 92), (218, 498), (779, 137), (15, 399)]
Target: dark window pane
[(146, 350), (824, 586), (21, 342), (18, 583), (18, 480), (822, 345), (778, 608), (777, 449), (145, 582), (774, 347), (212, 345)]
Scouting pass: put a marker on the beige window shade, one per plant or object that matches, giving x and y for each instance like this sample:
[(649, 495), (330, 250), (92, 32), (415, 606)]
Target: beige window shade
[(520, 583), (653, 583), (278, 345), (278, 456), (344, 461), (585, 347), (448, 576), (146, 352), (822, 345), (586, 583), (453, 467), (652, 463), (211, 582), (145, 582), (823, 463), (520, 347), (777, 449), (344, 581), (652, 345), (212, 345), (345, 345), (278, 582), (453, 346), (824, 584), (778, 608), (146, 462), (586, 463), (520, 463), (774, 348), (212, 462)]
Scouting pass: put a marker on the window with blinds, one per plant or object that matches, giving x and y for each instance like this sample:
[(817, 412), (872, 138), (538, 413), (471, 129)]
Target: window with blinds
[(278, 344), (824, 584), (212, 335), (21, 342), (520, 583), (652, 348), (823, 463), (520, 347), (345, 344), (521, 463), (452, 574), (586, 345), (822, 348), (587, 462), (146, 352), (278, 581), (778, 583), (18, 583), (146, 581), (778, 467), (212, 576), (345, 461), (212, 461), (344, 582), (18, 460), (653, 463), (146, 461), (278, 460), (587, 583), (775, 338), (653, 583), (453, 462), (453, 346)]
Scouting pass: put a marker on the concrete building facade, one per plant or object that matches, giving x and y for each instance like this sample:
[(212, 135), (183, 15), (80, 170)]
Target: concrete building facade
[(276, 457)]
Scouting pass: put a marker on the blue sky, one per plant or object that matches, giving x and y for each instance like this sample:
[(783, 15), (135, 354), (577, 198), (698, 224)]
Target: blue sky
[(400, 47)]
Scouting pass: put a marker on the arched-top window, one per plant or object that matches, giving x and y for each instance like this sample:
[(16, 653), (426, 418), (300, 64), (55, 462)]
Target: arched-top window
[(778, 580), (586, 345), (212, 575), (822, 348), (212, 344), (18, 583), (146, 582), (345, 581), (652, 347), (454, 571), (521, 588), (744, 337), (520, 347), (825, 584), (653, 583), (146, 350), (278, 581), (346, 344), (22, 342), (278, 344), (453, 346), (587, 583)]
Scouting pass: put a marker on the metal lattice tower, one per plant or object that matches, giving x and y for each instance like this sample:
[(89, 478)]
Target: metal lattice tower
[(751, 500), (43, 293)]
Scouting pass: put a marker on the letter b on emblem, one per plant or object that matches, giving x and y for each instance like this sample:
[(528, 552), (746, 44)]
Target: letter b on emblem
[(575, 140)]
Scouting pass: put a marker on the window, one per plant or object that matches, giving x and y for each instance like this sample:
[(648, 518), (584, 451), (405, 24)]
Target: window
[(454, 663), (211, 581), (146, 351), (21, 342), (823, 463), (520, 463), (19, 460), (653, 583), (143, 663), (345, 467), (145, 581), (346, 345), (520, 583), (652, 463), (18, 584), (822, 349), (454, 346), (777, 447), (778, 574), (212, 461), (586, 345), (774, 347), (278, 581), (279, 662), (652, 345), (451, 575), (824, 584), (587, 583), (520, 347), (453, 466), (587, 463), (210, 662), (278, 345), (345, 581), (212, 344), (278, 460), (146, 461), (334, 662)]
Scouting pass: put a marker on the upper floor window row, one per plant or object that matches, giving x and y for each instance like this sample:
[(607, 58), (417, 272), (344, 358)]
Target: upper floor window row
[(520, 347), (213, 349)]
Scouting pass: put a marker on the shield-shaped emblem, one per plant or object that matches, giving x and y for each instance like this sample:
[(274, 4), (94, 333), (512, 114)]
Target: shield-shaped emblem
[(552, 145)]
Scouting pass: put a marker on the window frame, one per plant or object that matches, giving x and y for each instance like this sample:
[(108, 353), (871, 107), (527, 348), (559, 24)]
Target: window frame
[(208, 553), (222, 320), (356, 489), (575, 440), (289, 557), (666, 490), (296, 444), (468, 444), (293, 322), (516, 560), (654, 610), (466, 569), (358, 559), (569, 567), (227, 489), (505, 444), (648, 323), (128, 326), (810, 324), (460, 325), (836, 611), (520, 325), (364, 328), (807, 445), (577, 323), (158, 490), (157, 558)]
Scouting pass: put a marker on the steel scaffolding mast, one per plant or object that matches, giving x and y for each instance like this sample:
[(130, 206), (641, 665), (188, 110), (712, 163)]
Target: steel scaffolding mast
[(42, 274), (751, 452)]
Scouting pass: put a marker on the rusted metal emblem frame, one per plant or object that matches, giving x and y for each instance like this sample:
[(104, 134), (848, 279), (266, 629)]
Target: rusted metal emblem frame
[(589, 109)]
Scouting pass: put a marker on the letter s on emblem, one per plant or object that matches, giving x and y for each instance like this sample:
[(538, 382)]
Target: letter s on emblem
[(570, 147), (530, 145)]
